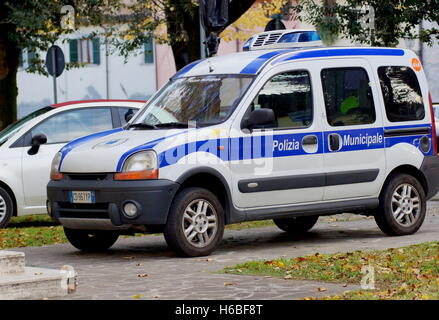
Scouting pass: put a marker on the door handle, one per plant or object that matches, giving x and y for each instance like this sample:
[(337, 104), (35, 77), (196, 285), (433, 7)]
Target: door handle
[(334, 142), (309, 140)]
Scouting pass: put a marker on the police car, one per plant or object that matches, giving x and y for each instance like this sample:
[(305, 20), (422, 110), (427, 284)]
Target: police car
[(287, 134)]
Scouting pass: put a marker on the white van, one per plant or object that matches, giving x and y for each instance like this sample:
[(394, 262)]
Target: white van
[(286, 134)]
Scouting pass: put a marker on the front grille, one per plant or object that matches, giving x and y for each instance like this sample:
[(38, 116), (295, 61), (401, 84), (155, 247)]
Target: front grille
[(83, 210), (88, 176)]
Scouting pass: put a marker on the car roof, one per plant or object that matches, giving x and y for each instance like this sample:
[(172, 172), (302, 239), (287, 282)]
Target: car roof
[(253, 62), (110, 101)]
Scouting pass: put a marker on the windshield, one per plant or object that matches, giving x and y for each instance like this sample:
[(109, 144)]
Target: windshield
[(207, 100), (9, 131)]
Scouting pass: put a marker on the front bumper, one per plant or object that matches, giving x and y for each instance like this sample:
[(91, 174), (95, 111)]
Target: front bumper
[(430, 169), (153, 198)]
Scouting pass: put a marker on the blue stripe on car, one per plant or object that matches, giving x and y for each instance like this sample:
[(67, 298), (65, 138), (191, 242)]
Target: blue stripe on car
[(341, 52), (254, 66), (186, 69), (145, 146), (76, 143), (285, 145)]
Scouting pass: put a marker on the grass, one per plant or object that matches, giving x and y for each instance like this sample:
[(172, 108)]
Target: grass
[(31, 231), (403, 273), (40, 229)]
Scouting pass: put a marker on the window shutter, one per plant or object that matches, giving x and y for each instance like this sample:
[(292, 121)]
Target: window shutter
[(31, 56), (20, 59), (96, 51), (73, 44), (149, 51)]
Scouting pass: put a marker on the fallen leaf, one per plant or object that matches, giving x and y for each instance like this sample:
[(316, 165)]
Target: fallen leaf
[(142, 275), (321, 289), (226, 284), (137, 296), (288, 277)]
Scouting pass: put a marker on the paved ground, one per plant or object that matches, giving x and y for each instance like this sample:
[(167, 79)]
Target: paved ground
[(115, 275)]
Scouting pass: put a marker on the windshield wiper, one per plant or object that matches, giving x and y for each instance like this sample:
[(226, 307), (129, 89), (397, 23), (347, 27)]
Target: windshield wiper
[(173, 125), (141, 126)]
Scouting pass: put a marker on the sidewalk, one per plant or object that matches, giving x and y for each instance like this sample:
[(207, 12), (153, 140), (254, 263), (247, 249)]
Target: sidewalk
[(145, 268)]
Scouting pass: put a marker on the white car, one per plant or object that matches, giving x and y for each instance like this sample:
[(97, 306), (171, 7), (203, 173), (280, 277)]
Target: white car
[(28, 146), (287, 135)]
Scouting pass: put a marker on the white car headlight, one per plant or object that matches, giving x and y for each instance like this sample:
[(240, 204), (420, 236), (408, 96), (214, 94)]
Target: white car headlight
[(139, 166), (54, 173)]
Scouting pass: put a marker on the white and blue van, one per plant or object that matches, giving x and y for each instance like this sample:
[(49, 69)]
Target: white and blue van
[(285, 134)]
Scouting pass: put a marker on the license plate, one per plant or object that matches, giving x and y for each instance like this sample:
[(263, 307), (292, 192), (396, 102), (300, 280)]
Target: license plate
[(82, 197)]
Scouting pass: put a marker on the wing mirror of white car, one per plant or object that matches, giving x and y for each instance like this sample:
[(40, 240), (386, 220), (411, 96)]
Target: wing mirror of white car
[(129, 116), (37, 141)]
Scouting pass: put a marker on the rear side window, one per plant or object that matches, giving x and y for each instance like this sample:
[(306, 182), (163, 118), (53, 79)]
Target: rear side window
[(69, 125), (401, 93), (348, 96)]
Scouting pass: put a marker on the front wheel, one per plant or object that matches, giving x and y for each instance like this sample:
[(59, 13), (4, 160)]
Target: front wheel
[(296, 225), (402, 206), (91, 240), (195, 225)]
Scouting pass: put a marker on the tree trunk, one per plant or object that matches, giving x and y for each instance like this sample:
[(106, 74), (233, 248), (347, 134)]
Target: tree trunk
[(9, 59), (189, 50)]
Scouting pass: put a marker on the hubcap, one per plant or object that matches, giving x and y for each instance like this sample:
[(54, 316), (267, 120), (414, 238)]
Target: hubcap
[(406, 205), (2, 208), (200, 223)]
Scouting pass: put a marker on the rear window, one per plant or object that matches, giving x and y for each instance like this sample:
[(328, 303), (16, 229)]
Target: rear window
[(401, 93)]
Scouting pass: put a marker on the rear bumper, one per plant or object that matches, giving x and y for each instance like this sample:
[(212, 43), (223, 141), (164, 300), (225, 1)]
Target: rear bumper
[(430, 169), (152, 197)]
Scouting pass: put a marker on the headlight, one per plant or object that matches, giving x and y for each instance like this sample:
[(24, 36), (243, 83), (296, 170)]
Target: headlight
[(139, 166), (54, 173)]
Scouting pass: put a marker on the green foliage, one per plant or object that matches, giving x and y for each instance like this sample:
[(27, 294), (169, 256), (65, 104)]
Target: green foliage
[(393, 20)]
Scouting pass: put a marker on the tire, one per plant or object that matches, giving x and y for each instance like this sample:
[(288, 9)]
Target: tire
[(6, 208), (405, 192), (90, 240), (199, 212), (296, 225)]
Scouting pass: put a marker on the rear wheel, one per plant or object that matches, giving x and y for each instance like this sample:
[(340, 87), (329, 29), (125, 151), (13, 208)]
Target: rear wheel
[(90, 240), (296, 225), (6, 208), (402, 206), (195, 225)]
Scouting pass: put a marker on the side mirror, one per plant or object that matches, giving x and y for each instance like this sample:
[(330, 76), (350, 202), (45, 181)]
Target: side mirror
[(129, 116), (37, 141), (260, 118)]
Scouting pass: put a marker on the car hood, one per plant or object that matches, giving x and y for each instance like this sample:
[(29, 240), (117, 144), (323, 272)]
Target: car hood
[(106, 151)]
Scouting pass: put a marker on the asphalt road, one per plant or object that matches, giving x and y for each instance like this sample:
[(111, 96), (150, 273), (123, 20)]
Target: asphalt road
[(144, 267)]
